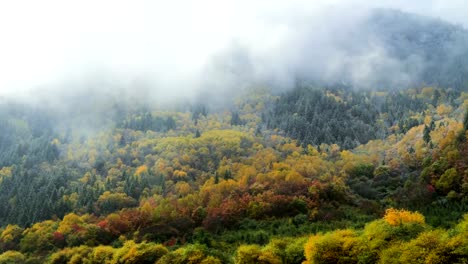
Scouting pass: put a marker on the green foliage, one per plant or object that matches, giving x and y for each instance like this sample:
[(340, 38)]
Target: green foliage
[(101, 254), (196, 254), (109, 202), (10, 237), (39, 237), (335, 247), (250, 254), (132, 253), (289, 250), (382, 242), (235, 119), (299, 111), (71, 255), (202, 184), (427, 135), (12, 257), (146, 121), (448, 180), (465, 120), (346, 117), (429, 247), (378, 235), (362, 170)]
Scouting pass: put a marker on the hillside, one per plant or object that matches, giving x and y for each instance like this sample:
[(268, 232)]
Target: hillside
[(220, 179), (388, 49), (429, 49), (367, 163)]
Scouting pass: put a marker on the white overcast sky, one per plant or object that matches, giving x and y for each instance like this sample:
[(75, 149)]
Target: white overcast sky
[(45, 42)]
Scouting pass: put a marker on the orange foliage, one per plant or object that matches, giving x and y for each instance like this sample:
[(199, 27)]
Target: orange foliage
[(141, 169), (397, 217)]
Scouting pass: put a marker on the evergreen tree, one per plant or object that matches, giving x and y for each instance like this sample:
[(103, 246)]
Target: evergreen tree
[(426, 134), (465, 120), (235, 119)]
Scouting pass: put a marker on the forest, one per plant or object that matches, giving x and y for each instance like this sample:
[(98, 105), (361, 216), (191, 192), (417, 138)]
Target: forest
[(329, 175), (266, 134)]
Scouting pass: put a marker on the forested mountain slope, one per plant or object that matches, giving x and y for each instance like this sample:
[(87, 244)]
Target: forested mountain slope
[(206, 181), (350, 118), (369, 168), (391, 49), (432, 50)]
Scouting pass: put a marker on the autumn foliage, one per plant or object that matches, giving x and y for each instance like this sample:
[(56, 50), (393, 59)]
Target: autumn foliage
[(180, 187), (397, 217)]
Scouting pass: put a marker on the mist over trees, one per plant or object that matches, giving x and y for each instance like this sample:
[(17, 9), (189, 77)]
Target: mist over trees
[(307, 136)]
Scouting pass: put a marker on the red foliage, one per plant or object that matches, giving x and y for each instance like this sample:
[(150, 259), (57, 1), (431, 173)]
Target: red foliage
[(76, 228), (228, 213), (117, 225), (58, 237), (171, 242), (132, 216), (103, 224), (291, 188), (430, 188)]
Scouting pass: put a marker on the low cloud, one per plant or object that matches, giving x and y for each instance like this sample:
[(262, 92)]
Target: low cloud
[(154, 50)]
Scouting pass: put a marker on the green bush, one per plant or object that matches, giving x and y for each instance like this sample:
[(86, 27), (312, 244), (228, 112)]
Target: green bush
[(132, 253), (12, 257)]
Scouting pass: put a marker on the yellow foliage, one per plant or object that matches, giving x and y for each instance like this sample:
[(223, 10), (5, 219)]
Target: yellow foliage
[(295, 177), (335, 247), (397, 217), (247, 174), (251, 254), (102, 254), (86, 177), (312, 151), (334, 150), (290, 148), (69, 223), (11, 256), (281, 166), (427, 92), (10, 233), (55, 142), (337, 98), (427, 120), (182, 188), (443, 109), (141, 169), (180, 174), (6, 172), (210, 260)]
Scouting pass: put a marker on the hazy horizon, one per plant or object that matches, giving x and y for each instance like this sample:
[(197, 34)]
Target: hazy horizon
[(172, 50)]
